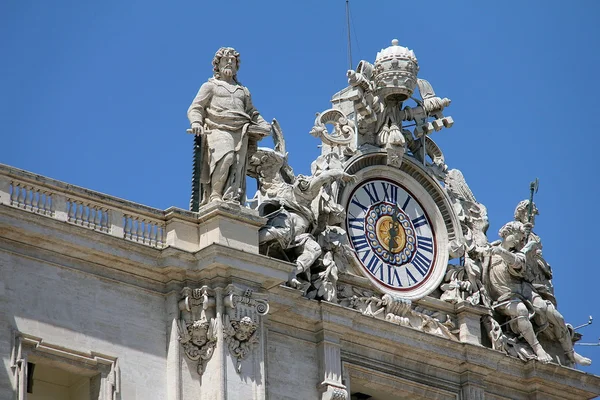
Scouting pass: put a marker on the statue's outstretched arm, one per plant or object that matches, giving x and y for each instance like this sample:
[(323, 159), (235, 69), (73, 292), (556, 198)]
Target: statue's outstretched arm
[(326, 177)]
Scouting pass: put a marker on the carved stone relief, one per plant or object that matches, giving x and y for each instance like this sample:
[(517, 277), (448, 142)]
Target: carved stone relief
[(397, 311), (241, 325), (197, 325)]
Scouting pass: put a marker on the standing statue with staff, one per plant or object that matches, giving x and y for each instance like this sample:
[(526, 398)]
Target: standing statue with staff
[(226, 125)]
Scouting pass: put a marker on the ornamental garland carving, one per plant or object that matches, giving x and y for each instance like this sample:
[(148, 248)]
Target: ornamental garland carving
[(197, 325)]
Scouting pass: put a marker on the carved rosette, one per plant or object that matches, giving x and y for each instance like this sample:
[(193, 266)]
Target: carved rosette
[(241, 325), (197, 324)]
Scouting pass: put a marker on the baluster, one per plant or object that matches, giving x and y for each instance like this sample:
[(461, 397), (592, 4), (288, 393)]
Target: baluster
[(78, 212), (128, 226), (154, 236), (161, 236), (70, 210), (138, 232), (36, 198), (146, 233), (14, 195), (107, 220), (102, 219), (43, 202), (28, 195), (97, 218), (90, 216), (21, 191)]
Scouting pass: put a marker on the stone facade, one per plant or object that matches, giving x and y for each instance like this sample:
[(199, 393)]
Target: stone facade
[(104, 304)]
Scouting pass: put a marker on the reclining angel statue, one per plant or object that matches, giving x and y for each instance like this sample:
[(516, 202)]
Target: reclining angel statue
[(297, 207)]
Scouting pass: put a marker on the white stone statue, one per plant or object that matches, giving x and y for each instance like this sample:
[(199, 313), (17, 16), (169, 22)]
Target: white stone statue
[(223, 116), (298, 208), (465, 282), (539, 272), (516, 298)]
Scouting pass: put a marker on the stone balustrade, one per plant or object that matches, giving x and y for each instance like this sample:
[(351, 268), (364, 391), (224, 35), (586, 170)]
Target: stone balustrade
[(82, 207), (220, 223)]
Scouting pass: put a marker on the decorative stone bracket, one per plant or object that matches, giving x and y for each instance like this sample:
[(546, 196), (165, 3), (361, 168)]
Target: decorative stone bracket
[(241, 325), (197, 324)]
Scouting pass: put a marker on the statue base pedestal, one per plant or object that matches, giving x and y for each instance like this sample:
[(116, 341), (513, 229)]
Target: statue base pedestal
[(230, 225), (469, 322)]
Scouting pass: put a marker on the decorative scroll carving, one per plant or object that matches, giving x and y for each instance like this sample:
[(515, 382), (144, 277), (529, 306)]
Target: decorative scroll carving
[(241, 325), (197, 325), (341, 139), (398, 311)]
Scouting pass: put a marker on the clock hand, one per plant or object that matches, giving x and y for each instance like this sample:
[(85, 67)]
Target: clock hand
[(393, 229)]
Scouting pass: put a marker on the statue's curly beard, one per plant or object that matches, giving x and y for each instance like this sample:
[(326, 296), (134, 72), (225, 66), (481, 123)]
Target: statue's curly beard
[(228, 72)]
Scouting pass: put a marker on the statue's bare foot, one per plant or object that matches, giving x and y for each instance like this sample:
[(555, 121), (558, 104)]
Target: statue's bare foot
[(542, 356), (581, 360), (295, 283), (214, 197)]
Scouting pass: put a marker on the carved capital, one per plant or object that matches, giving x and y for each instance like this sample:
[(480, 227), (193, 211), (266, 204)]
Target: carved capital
[(197, 324), (241, 324), (341, 136)]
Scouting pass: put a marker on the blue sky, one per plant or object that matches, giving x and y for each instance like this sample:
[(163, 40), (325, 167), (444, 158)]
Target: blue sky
[(96, 93)]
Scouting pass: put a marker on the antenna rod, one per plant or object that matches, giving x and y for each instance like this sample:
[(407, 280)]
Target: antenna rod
[(348, 28)]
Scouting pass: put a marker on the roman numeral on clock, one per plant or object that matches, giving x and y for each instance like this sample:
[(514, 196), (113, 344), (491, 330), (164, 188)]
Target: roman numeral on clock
[(372, 192), (359, 204), (421, 263), (393, 277), (359, 242), (419, 221), (373, 264), (425, 243), (356, 223), (408, 198), (390, 192)]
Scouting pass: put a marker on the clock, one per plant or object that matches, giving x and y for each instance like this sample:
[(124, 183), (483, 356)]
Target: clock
[(394, 228)]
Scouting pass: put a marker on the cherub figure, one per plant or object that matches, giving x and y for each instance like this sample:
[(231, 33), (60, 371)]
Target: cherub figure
[(240, 337)]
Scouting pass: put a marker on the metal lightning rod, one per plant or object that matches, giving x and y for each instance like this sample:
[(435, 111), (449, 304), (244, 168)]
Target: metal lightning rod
[(348, 29)]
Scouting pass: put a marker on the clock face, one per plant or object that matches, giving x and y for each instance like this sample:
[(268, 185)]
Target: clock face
[(392, 236)]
